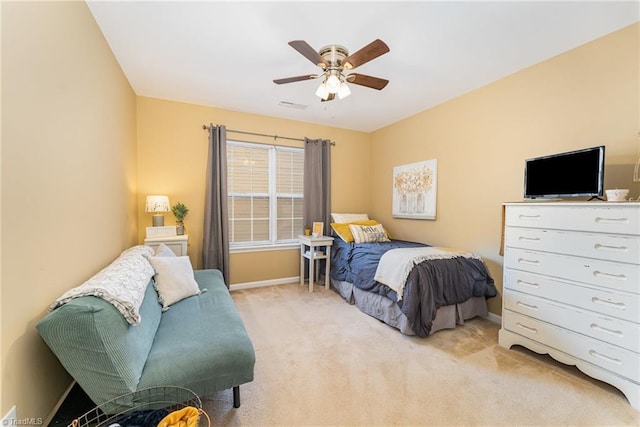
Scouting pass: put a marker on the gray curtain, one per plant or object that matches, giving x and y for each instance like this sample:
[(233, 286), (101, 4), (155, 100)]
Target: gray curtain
[(215, 246), (317, 183)]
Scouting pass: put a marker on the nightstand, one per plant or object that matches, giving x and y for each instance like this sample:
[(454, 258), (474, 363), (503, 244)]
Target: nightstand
[(178, 244), (310, 248)]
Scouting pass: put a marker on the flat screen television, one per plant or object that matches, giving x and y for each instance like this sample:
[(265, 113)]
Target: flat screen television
[(577, 173)]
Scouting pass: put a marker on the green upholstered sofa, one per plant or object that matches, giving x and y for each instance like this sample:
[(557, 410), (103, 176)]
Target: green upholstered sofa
[(199, 343)]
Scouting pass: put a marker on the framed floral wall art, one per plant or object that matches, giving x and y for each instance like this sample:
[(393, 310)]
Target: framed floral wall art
[(414, 190)]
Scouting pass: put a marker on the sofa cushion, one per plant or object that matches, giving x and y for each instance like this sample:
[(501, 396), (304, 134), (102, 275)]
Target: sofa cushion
[(201, 343), (96, 345)]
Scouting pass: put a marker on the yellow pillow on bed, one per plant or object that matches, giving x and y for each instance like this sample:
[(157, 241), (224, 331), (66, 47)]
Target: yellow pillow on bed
[(343, 231)]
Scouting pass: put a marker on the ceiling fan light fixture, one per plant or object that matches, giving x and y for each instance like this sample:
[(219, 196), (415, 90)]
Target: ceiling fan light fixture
[(334, 60), (344, 91), (322, 91), (333, 83)]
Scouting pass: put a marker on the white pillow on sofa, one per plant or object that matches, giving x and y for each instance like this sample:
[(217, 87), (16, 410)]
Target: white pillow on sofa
[(164, 250), (174, 279)]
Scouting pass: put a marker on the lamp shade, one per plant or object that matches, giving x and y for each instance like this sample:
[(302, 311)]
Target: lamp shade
[(157, 204), (333, 83), (322, 91), (344, 91)]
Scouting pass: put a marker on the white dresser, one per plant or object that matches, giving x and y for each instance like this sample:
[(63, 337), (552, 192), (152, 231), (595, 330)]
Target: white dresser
[(571, 287)]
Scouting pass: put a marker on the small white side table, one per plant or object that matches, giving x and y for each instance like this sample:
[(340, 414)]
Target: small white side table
[(312, 243), (178, 244)]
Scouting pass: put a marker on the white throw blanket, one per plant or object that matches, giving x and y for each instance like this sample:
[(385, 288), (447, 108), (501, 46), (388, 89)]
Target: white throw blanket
[(123, 283), (396, 264)]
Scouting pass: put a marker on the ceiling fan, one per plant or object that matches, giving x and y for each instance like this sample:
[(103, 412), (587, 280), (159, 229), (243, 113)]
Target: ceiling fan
[(334, 60)]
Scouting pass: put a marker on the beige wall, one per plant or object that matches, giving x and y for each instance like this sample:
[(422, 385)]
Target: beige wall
[(585, 97), (76, 183), (68, 180), (172, 157)]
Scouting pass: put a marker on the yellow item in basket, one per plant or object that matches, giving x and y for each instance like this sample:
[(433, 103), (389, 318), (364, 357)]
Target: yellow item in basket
[(185, 417)]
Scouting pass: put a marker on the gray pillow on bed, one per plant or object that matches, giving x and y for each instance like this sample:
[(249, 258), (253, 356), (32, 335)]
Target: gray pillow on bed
[(368, 233)]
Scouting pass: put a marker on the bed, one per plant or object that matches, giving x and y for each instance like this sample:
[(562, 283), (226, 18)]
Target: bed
[(439, 292)]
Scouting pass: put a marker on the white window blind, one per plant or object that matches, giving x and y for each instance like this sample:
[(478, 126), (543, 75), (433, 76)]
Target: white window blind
[(265, 193)]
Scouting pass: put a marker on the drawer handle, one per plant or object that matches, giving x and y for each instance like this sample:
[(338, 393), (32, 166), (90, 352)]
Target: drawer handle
[(597, 327), (530, 284), (603, 357), (609, 275), (610, 248), (533, 239), (526, 217), (528, 261), (532, 307), (618, 305), (612, 220), (527, 328)]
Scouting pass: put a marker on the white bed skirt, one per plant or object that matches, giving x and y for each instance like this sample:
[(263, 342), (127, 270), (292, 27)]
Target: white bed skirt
[(386, 310)]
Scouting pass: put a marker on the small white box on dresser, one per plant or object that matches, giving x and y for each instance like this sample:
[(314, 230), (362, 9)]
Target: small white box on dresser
[(571, 287), (165, 231)]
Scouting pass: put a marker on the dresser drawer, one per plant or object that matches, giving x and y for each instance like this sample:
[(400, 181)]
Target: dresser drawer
[(608, 329), (607, 274), (592, 245), (609, 218), (612, 358), (622, 305)]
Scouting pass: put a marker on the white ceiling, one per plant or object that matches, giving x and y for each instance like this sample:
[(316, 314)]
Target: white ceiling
[(226, 54)]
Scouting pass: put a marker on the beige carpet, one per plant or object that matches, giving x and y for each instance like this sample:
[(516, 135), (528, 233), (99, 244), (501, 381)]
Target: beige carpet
[(320, 361)]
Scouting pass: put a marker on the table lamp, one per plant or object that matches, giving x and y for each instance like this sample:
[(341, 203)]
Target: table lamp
[(157, 204)]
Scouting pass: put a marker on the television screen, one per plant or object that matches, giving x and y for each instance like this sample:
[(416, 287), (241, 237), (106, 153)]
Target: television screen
[(577, 173)]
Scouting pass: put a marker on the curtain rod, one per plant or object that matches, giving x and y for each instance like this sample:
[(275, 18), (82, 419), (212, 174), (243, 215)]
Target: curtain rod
[(275, 137)]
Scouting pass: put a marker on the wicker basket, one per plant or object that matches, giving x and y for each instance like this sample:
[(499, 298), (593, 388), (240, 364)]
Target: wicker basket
[(168, 398)]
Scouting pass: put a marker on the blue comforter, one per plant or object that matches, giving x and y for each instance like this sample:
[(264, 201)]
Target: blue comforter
[(430, 285), (357, 262)]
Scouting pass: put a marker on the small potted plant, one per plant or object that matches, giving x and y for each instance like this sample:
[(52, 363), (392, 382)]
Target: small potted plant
[(179, 211)]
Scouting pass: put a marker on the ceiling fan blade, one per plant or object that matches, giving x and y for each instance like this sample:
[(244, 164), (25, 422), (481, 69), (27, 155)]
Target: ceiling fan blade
[(295, 79), (331, 97), (366, 54), (309, 53), (368, 81)]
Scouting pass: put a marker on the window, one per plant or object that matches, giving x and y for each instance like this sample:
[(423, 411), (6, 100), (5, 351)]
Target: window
[(265, 194)]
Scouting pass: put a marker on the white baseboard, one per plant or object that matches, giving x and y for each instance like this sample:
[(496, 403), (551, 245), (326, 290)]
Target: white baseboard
[(262, 283), (494, 318)]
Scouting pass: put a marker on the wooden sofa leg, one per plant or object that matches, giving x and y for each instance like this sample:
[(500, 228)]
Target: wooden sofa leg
[(236, 396)]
